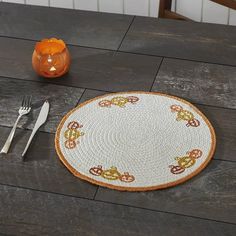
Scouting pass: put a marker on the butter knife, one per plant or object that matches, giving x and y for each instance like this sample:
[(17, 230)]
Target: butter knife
[(40, 121)]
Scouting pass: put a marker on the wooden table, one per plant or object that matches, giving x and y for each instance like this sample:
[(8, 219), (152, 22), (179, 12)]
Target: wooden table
[(114, 53)]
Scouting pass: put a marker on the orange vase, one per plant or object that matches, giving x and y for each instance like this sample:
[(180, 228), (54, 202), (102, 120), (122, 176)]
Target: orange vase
[(51, 58)]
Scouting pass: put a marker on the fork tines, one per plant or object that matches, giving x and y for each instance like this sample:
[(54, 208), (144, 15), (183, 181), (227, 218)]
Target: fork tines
[(26, 102)]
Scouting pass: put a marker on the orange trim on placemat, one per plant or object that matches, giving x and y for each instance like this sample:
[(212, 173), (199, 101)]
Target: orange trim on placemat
[(121, 188)]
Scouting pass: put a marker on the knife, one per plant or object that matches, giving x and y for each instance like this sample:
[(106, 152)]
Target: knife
[(40, 121)]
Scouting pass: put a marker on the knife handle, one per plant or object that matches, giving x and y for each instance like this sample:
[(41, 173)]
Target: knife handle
[(28, 143)]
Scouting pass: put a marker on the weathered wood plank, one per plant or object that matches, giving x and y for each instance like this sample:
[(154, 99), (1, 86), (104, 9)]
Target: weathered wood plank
[(26, 212), (102, 30), (211, 195), (42, 169), (90, 68), (223, 121), (182, 39), (203, 83), (61, 99)]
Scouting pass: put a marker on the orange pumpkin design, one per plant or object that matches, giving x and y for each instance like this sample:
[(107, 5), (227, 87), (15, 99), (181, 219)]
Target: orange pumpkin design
[(118, 101), (126, 177), (132, 99), (105, 103), (70, 144), (176, 108), (74, 125), (185, 115), (176, 169), (195, 153), (185, 161), (72, 134), (193, 123), (96, 170), (111, 174)]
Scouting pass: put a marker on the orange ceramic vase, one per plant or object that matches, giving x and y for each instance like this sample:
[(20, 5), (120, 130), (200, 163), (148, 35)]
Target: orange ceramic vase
[(51, 58)]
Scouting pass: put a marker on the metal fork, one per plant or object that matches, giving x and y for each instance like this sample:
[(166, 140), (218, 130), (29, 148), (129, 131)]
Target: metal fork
[(24, 109)]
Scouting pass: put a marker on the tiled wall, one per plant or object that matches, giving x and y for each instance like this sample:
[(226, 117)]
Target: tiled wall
[(198, 10)]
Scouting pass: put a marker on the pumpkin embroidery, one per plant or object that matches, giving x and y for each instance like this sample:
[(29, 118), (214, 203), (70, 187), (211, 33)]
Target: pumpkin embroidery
[(96, 170), (195, 153), (185, 115), (111, 174), (185, 161), (176, 169), (126, 177), (118, 101), (105, 103), (72, 134)]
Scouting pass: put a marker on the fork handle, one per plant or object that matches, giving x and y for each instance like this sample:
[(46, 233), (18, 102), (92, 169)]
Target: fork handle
[(10, 137)]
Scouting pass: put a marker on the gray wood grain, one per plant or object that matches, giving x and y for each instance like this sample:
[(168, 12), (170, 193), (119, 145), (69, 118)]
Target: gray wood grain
[(203, 83), (211, 195), (90, 68), (84, 28), (223, 121), (26, 212), (182, 39), (42, 169), (61, 99)]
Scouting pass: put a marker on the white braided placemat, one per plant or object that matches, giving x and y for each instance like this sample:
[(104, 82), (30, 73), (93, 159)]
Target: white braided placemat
[(135, 141)]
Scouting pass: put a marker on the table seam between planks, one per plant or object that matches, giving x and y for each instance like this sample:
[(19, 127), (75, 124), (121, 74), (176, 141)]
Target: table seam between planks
[(106, 91), (126, 33), (158, 69), (128, 52), (118, 204)]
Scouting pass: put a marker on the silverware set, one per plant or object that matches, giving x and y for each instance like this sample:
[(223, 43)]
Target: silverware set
[(25, 109)]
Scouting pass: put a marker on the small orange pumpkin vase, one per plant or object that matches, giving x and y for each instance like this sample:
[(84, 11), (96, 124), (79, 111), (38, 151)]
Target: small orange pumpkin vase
[(51, 58)]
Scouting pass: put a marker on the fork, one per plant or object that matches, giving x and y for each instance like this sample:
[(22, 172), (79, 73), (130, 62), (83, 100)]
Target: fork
[(24, 109)]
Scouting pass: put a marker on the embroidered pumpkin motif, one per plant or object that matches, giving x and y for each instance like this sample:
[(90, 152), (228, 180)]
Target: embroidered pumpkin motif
[(105, 103), (185, 116), (72, 134), (176, 169), (74, 125), (96, 170), (132, 99), (176, 108), (70, 144), (118, 101), (195, 153), (185, 161), (111, 174), (193, 122), (126, 177)]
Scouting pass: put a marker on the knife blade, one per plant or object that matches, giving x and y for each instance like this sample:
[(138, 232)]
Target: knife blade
[(43, 114)]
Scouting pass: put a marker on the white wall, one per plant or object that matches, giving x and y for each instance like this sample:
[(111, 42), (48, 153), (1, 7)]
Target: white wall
[(206, 11), (198, 10)]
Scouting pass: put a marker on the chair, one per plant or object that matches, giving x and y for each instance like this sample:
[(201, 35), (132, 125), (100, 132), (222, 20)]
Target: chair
[(165, 8)]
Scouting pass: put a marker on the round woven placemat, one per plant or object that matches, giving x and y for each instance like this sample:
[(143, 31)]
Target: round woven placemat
[(135, 141)]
